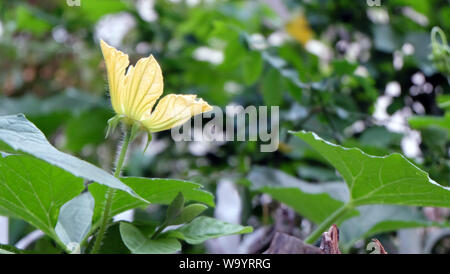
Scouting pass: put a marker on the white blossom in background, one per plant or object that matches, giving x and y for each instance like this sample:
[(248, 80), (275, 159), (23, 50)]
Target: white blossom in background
[(381, 105), (277, 38), (1, 29), (146, 10), (192, 2), (393, 89), (233, 87), (257, 41), (408, 49), (362, 71), (418, 78), (113, 27), (378, 15), (319, 49), (410, 144), (60, 34), (208, 54), (415, 16)]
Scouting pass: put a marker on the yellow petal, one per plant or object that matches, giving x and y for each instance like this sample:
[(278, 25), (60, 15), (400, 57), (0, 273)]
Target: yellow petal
[(299, 28), (116, 63), (143, 85), (174, 110)]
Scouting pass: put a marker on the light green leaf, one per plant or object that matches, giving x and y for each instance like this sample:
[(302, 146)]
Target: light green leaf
[(380, 180), (34, 190), (204, 228), (75, 219), (21, 135), (139, 244), (313, 201), (157, 191)]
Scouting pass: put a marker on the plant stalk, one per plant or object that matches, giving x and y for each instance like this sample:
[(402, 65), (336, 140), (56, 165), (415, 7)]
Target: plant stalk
[(110, 194), (325, 225)]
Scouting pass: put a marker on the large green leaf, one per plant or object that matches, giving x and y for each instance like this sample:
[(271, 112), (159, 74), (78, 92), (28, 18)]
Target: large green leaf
[(204, 228), (314, 201), (21, 135), (34, 190), (157, 191), (380, 180), (138, 243)]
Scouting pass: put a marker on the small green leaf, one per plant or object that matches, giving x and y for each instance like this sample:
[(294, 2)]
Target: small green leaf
[(175, 208), (188, 214), (157, 191), (204, 228), (75, 219), (139, 244)]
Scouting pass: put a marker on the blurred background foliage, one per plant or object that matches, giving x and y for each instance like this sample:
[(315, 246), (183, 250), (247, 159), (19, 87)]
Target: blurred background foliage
[(356, 75)]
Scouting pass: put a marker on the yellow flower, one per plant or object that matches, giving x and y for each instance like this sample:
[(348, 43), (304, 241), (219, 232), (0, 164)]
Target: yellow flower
[(134, 91), (299, 28)]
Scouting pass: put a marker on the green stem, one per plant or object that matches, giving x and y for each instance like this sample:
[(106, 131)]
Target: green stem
[(110, 194), (160, 229), (325, 225)]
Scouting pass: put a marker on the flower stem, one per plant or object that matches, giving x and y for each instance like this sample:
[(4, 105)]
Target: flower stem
[(110, 194), (327, 223)]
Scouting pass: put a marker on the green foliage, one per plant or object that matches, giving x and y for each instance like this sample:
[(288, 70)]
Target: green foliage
[(338, 85), (75, 217)]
